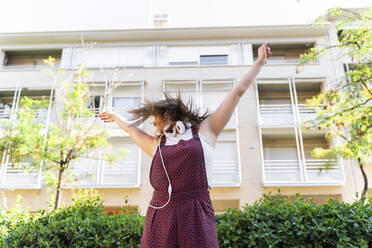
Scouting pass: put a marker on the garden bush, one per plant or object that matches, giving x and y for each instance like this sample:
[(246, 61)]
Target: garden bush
[(83, 224), (272, 221), (275, 221)]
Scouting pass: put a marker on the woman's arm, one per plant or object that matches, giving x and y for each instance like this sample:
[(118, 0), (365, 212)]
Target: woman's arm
[(145, 141), (213, 125)]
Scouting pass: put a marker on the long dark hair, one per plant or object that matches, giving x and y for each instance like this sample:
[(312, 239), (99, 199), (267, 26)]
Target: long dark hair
[(171, 109)]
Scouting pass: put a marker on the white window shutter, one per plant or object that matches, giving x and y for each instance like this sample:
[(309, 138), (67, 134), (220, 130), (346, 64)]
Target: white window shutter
[(225, 168), (126, 171)]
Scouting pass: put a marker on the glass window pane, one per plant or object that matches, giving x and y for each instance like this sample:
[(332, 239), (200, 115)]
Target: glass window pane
[(213, 60)]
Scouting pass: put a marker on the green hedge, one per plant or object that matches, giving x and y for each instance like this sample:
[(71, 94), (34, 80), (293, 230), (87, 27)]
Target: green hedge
[(272, 221), (275, 221)]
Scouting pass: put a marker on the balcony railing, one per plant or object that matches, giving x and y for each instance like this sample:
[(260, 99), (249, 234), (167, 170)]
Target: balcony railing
[(282, 114), (224, 172), (27, 67), (40, 115), (121, 174), (85, 171), (113, 128), (99, 173), (282, 170), (15, 175), (314, 171), (276, 114)]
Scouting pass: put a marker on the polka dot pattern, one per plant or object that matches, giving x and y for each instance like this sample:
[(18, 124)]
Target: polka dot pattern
[(188, 220)]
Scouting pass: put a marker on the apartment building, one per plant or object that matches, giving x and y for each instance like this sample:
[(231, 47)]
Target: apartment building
[(261, 149)]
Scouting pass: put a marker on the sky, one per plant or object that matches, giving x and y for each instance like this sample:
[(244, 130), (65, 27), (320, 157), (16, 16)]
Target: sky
[(65, 15)]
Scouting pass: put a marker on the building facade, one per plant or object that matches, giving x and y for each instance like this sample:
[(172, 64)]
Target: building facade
[(262, 148)]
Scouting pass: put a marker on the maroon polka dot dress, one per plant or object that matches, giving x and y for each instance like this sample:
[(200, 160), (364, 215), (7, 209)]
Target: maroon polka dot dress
[(188, 220)]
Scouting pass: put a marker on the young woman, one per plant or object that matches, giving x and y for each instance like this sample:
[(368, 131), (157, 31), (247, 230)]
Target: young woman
[(180, 213)]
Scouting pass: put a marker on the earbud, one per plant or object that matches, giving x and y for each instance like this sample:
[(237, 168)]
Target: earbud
[(180, 127), (167, 127)]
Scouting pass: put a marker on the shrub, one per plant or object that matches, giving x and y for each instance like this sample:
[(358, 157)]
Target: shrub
[(83, 224), (275, 221), (272, 221)]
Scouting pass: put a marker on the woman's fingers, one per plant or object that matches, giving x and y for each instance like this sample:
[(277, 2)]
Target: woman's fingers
[(107, 116)]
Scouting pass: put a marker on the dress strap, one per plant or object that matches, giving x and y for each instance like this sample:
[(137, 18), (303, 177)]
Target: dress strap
[(163, 140), (194, 132)]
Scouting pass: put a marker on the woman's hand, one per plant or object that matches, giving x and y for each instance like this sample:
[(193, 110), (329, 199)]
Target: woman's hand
[(146, 142), (108, 116), (264, 52)]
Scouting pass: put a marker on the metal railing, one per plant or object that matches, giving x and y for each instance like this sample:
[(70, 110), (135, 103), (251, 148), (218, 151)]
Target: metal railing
[(123, 173), (273, 114), (15, 174), (315, 169)]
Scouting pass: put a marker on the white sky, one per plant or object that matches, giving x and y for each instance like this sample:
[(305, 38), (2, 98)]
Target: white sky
[(57, 15)]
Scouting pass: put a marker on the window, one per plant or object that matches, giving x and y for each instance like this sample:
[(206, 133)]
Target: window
[(121, 104), (160, 20), (287, 158), (199, 55), (213, 92), (124, 172), (187, 88), (85, 169), (283, 101), (183, 63), (93, 170), (126, 96), (97, 57), (95, 103), (225, 170), (213, 60)]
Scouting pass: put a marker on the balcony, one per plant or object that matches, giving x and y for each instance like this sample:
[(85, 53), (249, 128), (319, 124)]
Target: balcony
[(96, 172), (204, 94), (109, 57), (18, 175), (15, 175), (287, 160), (285, 53), (30, 59), (283, 103), (125, 96)]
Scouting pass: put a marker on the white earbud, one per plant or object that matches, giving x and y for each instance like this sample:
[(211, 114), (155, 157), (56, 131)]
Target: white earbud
[(180, 127), (173, 132)]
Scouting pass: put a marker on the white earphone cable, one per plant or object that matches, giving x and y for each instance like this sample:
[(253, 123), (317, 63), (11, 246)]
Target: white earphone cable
[(170, 186)]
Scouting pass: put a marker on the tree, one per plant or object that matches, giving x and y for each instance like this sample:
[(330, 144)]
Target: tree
[(345, 111), (53, 146)]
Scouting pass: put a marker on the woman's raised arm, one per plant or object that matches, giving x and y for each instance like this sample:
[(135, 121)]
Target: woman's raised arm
[(213, 125), (145, 141)]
